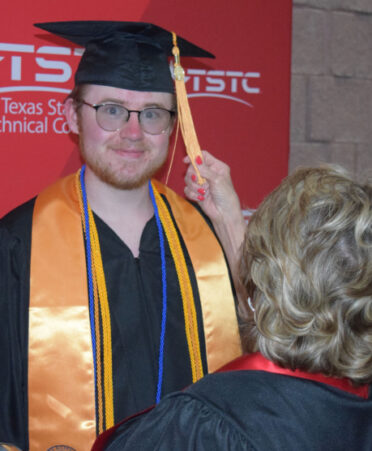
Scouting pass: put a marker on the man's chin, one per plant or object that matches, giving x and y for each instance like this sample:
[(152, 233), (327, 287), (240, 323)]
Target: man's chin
[(124, 181)]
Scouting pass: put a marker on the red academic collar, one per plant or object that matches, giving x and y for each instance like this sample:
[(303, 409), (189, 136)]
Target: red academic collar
[(257, 361)]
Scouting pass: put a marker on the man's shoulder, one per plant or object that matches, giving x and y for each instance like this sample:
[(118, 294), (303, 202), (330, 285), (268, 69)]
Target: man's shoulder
[(183, 201), (25, 210), (20, 218)]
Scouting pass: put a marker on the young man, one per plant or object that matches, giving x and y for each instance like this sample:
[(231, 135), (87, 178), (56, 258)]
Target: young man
[(116, 291)]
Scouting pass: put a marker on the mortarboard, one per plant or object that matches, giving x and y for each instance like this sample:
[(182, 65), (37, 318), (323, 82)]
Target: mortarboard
[(129, 55)]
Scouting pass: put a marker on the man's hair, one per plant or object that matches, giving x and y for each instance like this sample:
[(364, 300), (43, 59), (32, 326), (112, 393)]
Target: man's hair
[(307, 264), (77, 93)]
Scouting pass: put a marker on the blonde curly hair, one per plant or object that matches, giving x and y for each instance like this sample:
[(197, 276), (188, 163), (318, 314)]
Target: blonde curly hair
[(307, 264)]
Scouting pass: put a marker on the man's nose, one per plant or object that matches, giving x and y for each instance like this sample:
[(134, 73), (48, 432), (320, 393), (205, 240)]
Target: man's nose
[(132, 128)]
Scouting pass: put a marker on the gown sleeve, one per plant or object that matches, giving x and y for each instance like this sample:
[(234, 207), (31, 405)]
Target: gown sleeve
[(179, 422), (14, 295)]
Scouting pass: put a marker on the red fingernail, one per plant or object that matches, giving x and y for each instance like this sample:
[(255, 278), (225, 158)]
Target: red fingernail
[(201, 197), (201, 191), (198, 160), (193, 177)]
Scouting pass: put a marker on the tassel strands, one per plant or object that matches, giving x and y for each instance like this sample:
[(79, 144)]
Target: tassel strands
[(184, 113)]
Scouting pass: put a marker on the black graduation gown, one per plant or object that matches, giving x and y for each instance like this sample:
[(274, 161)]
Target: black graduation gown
[(135, 297), (251, 410)]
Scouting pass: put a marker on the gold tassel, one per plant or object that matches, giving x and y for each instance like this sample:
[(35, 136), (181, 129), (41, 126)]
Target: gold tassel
[(184, 113)]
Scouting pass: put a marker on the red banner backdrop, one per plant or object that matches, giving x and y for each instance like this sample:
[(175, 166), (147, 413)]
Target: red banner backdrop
[(240, 100)]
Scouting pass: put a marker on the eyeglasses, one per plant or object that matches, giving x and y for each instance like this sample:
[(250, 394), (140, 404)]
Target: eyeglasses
[(111, 117)]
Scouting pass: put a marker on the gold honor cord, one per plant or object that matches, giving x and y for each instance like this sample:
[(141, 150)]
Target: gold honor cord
[(184, 113), (106, 323), (105, 414), (8, 447), (191, 324), (100, 399), (96, 321)]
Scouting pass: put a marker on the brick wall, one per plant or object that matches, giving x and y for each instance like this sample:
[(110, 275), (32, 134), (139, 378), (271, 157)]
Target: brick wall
[(331, 88)]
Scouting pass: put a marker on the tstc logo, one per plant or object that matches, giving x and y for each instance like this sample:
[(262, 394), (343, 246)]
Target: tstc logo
[(24, 63), (21, 63), (232, 85)]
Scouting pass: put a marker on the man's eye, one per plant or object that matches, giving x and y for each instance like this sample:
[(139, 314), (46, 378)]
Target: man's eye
[(151, 114), (113, 110)]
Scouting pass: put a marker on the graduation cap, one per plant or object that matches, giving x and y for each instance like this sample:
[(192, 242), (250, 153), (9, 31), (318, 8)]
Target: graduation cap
[(133, 56), (129, 55)]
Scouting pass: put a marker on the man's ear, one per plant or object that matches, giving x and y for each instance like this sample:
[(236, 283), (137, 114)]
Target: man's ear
[(71, 115)]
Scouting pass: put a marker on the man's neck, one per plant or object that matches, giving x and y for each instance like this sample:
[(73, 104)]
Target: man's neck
[(125, 211)]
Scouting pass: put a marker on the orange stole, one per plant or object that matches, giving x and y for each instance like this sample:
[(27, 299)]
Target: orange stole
[(60, 373), (61, 376)]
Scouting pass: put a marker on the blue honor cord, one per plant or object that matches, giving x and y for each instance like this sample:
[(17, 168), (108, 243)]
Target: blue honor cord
[(164, 285)]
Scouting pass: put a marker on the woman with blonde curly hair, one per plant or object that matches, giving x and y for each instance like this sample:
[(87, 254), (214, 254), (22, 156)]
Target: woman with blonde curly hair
[(304, 382)]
